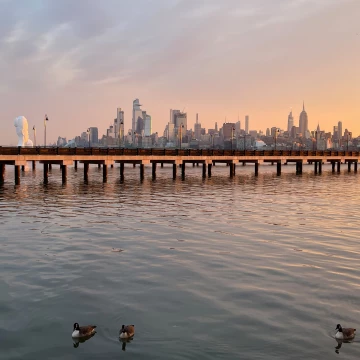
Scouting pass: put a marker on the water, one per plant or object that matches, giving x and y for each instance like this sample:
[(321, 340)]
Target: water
[(242, 268)]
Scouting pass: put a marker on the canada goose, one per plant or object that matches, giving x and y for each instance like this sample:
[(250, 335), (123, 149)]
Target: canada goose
[(344, 333), (82, 331), (127, 331)]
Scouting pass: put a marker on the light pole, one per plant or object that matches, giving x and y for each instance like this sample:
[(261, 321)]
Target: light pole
[(232, 137), (45, 120), (276, 132), (88, 131), (180, 140), (34, 135)]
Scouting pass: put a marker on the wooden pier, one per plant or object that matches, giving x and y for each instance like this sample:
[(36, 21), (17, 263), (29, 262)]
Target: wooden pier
[(48, 156)]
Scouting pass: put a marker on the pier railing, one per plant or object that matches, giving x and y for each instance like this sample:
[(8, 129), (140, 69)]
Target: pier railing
[(165, 152)]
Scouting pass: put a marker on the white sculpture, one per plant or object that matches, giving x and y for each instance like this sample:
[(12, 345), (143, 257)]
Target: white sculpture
[(22, 131)]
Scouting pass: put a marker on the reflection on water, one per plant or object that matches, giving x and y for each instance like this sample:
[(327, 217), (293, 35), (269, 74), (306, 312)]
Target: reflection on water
[(124, 342), (77, 341), (220, 268)]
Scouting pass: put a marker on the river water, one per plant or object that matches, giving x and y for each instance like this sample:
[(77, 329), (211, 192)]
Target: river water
[(222, 268)]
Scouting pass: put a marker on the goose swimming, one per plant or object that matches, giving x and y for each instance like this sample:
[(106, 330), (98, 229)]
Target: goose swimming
[(344, 333), (127, 331), (83, 331)]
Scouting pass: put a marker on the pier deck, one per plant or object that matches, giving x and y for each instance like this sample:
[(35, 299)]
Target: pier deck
[(19, 156)]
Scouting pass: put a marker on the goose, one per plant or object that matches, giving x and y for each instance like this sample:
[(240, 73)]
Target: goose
[(83, 331), (344, 333), (127, 331)]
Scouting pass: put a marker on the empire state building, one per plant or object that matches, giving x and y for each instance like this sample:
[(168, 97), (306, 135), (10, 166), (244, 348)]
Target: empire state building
[(303, 123)]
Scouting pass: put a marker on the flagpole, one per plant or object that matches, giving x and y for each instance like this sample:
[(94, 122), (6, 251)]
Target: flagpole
[(45, 120), (34, 135)]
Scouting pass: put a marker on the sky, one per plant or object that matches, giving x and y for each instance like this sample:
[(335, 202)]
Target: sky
[(77, 61)]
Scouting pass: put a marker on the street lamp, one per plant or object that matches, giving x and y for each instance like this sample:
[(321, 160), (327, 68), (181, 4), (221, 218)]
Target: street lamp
[(276, 133), (34, 135), (88, 131), (180, 140), (45, 120)]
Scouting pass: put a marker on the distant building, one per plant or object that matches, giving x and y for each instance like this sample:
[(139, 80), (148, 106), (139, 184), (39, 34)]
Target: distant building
[(246, 124), (136, 115), (238, 127), (148, 125), (228, 131), (303, 123), (197, 128), (120, 124), (340, 131), (173, 114), (290, 122), (94, 135)]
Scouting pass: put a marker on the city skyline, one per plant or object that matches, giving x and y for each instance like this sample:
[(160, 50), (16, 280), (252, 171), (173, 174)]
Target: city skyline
[(69, 65)]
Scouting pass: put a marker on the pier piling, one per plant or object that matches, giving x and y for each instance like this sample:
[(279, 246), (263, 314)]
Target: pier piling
[(63, 173), (105, 173), (86, 172), (256, 169), (17, 175), (154, 170), (46, 173), (183, 170), (2, 173), (122, 166)]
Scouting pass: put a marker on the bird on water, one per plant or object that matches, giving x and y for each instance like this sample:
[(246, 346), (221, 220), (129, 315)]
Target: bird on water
[(83, 331), (344, 333), (127, 331)]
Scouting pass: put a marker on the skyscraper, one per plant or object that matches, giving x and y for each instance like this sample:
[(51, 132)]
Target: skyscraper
[(290, 122), (137, 113), (340, 131), (303, 122), (148, 125), (246, 124), (197, 128), (94, 135), (173, 114), (119, 129)]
